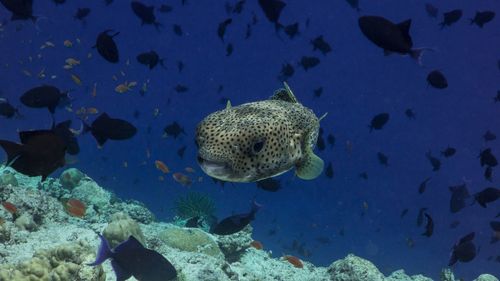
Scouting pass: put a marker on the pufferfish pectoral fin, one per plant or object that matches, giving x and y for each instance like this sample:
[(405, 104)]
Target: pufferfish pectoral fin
[(311, 166)]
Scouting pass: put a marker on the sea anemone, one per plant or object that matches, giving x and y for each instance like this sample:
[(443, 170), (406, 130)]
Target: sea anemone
[(194, 204)]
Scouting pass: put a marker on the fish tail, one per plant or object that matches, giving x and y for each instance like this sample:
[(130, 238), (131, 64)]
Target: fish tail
[(103, 253), (417, 53)]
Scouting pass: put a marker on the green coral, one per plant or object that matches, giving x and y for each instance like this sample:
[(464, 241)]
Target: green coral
[(194, 204)]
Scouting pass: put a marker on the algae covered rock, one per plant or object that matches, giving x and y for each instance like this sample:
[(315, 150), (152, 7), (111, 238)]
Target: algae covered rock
[(26, 222), (446, 275), (400, 275), (71, 178), (120, 228), (8, 178), (353, 268), (190, 240), (92, 194), (234, 245), (486, 277)]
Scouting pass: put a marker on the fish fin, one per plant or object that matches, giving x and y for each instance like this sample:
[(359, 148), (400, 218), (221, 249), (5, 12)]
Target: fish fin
[(100, 139), (228, 104), (130, 243), (25, 136), (103, 253), (121, 274), (284, 94), (405, 27), (311, 167), (322, 116), (417, 53), (12, 149)]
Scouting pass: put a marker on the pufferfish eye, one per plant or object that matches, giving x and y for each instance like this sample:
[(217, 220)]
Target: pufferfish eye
[(257, 146)]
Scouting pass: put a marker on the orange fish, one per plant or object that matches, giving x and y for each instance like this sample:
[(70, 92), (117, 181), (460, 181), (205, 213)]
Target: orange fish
[(294, 261), (92, 110), (182, 179), (162, 167), (11, 208), (75, 207), (257, 245)]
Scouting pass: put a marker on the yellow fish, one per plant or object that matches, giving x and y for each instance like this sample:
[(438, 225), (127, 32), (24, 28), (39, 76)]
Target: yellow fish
[(76, 79), (72, 61)]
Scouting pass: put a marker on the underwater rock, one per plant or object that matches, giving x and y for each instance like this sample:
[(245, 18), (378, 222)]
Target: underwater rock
[(120, 228), (190, 240), (135, 210), (353, 268), (4, 233), (92, 194), (400, 275), (64, 262), (446, 275), (71, 178), (486, 277), (26, 222), (234, 245), (7, 178)]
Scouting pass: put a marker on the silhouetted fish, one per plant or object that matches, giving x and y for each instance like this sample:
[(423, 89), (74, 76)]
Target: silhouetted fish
[(451, 17), (429, 227), (436, 163), (221, 29), (409, 113), (391, 37), (379, 121), (269, 184), (20, 9), (81, 13), (487, 158), (318, 92), (437, 79), (431, 10), (292, 30), (320, 44), (487, 195), (145, 13), (448, 152), (63, 130), (464, 250), (173, 129), (423, 185), (6, 109), (489, 136), (420, 216), (287, 71), (272, 10), (40, 153), (150, 59), (354, 4), (106, 46), (105, 127), (383, 159), (488, 174), (482, 18), (236, 223), (329, 170), (459, 194), (179, 88), (44, 96), (229, 49), (130, 258), (308, 62)]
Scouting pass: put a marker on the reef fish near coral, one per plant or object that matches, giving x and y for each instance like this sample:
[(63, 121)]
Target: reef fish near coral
[(236, 223), (130, 258), (105, 127), (259, 140)]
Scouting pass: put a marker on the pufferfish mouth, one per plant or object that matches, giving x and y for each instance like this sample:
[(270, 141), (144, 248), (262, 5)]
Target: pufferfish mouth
[(216, 169)]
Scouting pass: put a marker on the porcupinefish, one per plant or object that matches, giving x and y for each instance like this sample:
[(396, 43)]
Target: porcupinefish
[(259, 140)]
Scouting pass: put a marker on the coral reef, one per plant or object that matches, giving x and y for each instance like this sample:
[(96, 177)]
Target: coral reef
[(194, 204), (40, 240)]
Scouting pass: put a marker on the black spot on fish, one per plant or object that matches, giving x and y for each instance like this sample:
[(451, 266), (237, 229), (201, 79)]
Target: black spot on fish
[(451, 17)]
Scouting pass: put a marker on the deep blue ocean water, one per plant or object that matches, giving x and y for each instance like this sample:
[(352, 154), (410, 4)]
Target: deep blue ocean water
[(358, 82)]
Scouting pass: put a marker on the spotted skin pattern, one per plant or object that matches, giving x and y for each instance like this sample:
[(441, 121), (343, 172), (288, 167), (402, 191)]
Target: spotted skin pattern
[(256, 140)]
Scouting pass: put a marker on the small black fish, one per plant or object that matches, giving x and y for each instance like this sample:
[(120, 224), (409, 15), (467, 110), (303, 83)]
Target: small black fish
[(248, 31), (420, 216), (236, 223), (221, 29), (292, 30), (354, 4), (437, 79), (130, 258), (488, 174), (180, 66), (423, 185), (272, 10), (454, 224), (40, 153), (320, 44), (451, 17), (429, 227), (173, 129), (487, 158), (464, 250), (106, 128), (482, 18), (44, 96), (489, 136), (287, 71), (318, 92), (329, 170), (165, 8), (7, 110), (383, 159), (81, 14), (364, 175), (403, 213), (106, 46), (229, 49), (391, 37), (145, 13), (179, 88), (238, 7), (269, 184), (487, 195), (150, 59), (448, 152), (379, 121), (177, 29), (459, 194), (410, 113), (435, 162), (308, 62), (431, 10), (20, 9), (181, 150), (330, 139)]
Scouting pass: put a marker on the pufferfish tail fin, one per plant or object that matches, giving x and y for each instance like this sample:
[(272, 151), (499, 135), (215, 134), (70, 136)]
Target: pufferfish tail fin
[(311, 166)]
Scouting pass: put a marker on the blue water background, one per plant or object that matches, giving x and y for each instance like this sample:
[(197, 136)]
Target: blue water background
[(358, 82)]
